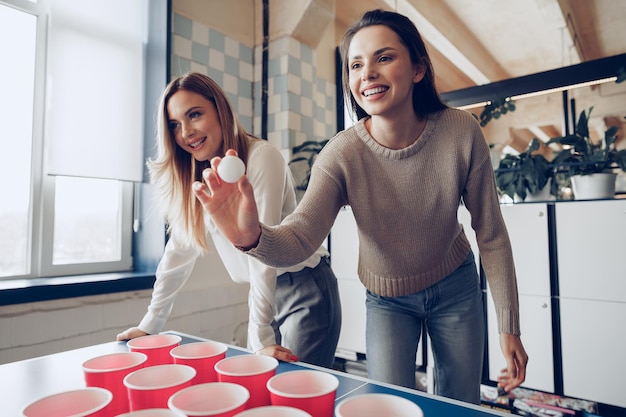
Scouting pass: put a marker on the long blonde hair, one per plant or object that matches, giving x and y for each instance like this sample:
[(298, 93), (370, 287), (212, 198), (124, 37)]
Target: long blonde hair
[(174, 170)]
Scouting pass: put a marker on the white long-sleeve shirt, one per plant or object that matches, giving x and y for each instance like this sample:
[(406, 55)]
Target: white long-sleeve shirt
[(274, 193)]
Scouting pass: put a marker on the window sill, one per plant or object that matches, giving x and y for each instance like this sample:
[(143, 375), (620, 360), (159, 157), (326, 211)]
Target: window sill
[(19, 291)]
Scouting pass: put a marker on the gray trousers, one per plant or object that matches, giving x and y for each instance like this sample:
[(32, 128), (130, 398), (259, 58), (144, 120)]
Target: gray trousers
[(308, 313)]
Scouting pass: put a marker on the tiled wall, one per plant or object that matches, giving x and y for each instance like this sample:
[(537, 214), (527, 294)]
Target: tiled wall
[(198, 48), (301, 106)]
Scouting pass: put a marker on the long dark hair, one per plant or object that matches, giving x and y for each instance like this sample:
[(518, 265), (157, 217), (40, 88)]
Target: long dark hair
[(426, 99)]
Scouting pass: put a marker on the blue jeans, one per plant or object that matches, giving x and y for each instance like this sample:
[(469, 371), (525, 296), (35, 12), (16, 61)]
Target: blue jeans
[(451, 311), (308, 313)]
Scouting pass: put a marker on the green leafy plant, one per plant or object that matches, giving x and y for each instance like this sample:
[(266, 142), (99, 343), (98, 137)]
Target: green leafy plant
[(305, 154), (496, 108), (525, 173), (584, 156)]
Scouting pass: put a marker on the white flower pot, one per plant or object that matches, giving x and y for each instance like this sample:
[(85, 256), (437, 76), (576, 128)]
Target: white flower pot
[(594, 186)]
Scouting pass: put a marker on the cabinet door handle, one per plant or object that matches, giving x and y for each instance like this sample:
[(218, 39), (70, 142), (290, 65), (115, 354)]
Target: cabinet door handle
[(541, 214), (544, 305)]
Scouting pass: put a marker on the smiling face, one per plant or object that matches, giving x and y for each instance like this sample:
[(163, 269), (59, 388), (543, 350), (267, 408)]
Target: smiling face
[(380, 72), (194, 124)]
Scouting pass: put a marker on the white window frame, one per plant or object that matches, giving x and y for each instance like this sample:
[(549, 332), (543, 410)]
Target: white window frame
[(46, 266), (41, 212)]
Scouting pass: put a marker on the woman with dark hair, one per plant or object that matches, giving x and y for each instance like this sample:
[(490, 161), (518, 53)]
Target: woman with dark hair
[(296, 306), (404, 168), (425, 98)]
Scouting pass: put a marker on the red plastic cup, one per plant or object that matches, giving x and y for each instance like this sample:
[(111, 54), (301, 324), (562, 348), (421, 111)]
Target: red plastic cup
[(108, 371), (152, 386), (202, 356), (90, 401), (274, 411), (213, 399), (308, 390), (251, 371), (156, 346), (375, 405), (153, 412)]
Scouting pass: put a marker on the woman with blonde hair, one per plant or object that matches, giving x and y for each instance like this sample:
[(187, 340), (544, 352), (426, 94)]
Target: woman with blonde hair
[(294, 311)]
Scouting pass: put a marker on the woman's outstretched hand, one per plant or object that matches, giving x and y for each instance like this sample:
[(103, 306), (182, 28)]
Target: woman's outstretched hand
[(279, 352), (131, 333), (231, 205), (516, 361)]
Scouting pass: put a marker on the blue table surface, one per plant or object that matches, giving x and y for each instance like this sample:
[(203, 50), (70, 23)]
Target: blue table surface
[(25, 381)]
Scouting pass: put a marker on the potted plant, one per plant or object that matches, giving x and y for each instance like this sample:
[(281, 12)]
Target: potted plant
[(524, 174), (588, 160)]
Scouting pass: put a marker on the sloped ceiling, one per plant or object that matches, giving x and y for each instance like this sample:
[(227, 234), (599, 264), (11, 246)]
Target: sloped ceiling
[(478, 42)]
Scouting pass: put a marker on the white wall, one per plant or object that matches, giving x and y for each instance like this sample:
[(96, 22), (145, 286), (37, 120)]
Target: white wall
[(210, 305)]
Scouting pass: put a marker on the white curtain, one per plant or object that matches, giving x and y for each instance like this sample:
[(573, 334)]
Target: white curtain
[(94, 88)]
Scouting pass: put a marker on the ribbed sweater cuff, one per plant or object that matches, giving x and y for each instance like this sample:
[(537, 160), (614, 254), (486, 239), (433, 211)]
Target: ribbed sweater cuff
[(508, 322), (268, 239)]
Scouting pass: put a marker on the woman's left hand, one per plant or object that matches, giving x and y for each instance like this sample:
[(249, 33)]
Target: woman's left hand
[(516, 360), (279, 352)]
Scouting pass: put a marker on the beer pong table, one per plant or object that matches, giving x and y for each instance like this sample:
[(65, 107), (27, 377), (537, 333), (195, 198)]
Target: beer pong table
[(25, 381)]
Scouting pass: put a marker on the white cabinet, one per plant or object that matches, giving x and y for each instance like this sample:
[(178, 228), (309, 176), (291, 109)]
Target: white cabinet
[(465, 219), (592, 297), (344, 247), (536, 325), (527, 225), (591, 250), (352, 336), (590, 270), (590, 276), (593, 343)]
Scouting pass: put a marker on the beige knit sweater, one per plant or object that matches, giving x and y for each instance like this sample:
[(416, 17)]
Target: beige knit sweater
[(405, 203)]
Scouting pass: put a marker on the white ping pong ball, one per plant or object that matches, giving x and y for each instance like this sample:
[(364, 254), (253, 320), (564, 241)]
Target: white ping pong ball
[(231, 168)]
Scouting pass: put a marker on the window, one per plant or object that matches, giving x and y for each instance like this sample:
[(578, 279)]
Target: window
[(87, 226), (72, 137), (16, 138)]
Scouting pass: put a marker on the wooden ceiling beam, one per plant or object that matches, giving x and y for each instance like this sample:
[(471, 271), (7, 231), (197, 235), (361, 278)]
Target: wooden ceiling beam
[(574, 22), (520, 138), (444, 30), (448, 77), (348, 12), (551, 131)]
